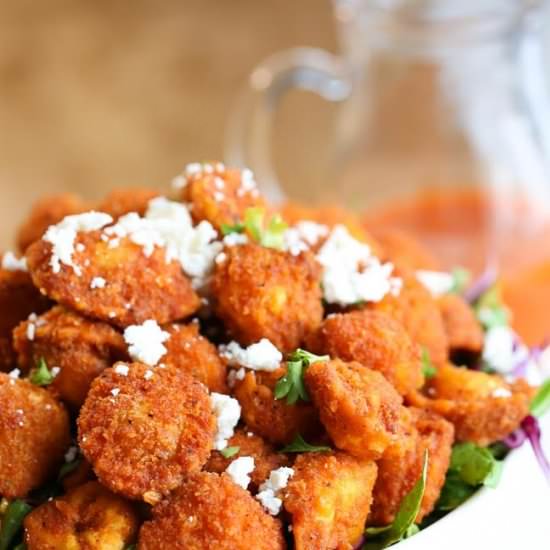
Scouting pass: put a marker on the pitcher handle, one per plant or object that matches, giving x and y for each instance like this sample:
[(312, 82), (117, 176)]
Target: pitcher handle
[(248, 133)]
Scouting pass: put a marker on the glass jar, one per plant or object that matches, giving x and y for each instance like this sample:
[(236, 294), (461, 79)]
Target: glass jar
[(443, 130)]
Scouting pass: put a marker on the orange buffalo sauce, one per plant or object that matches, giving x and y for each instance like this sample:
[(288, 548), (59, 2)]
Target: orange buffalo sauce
[(457, 226)]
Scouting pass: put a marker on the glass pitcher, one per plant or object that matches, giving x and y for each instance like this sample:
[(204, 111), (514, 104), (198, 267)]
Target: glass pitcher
[(442, 129)]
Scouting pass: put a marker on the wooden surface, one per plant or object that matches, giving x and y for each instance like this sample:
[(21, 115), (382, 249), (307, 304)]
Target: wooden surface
[(99, 93)]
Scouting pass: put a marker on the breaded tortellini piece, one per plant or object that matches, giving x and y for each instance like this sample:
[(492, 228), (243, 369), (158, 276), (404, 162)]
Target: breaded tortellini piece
[(210, 511), (119, 285), (464, 331), (34, 435), (47, 211), (265, 293), (273, 419), (265, 457), (358, 407), (124, 200), (19, 298), (483, 407), (188, 350), (80, 348), (328, 499), (416, 309), (144, 430), (401, 465), (375, 340), (86, 517), (221, 195)]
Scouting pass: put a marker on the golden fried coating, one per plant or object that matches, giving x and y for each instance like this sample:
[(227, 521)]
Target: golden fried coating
[(403, 250), (329, 498), (143, 434), (34, 435), (483, 407), (190, 351), (137, 288), (18, 299), (249, 444), (220, 197), (272, 418), (418, 312), (45, 212), (376, 341), (401, 465), (358, 407), (124, 200), (209, 511), (464, 332), (264, 293), (87, 517), (81, 348)]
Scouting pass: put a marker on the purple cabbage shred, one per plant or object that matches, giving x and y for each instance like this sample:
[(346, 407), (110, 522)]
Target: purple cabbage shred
[(482, 284)]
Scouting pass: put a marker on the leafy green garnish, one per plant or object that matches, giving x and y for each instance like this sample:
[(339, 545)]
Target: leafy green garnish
[(471, 466), (403, 524), (490, 309), (12, 522), (270, 235), (461, 280), (541, 401), (428, 369), (291, 385), (41, 375), (228, 452), (227, 229), (299, 445), (68, 468)]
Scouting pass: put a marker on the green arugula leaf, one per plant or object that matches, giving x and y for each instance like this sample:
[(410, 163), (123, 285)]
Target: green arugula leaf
[(41, 375), (271, 236), (12, 522), (68, 468), (404, 519), (455, 491), (541, 401), (254, 222), (307, 357), (299, 445), (227, 229), (428, 369), (490, 310), (228, 452), (274, 235), (461, 280)]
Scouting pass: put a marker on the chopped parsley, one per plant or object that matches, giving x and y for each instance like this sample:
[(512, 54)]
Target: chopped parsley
[(12, 522), (428, 368), (41, 375), (270, 235), (299, 445), (490, 310), (541, 401), (228, 452), (227, 229), (461, 280), (403, 526), (291, 385)]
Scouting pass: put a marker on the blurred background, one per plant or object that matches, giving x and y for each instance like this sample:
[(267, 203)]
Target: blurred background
[(98, 93)]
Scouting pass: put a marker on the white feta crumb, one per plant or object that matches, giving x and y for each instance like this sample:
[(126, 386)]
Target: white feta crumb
[(501, 393), (234, 239), (55, 371), (14, 374), (31, 327), (71, 453), (437, 282), (267, 495), (62, 237), (179, 182), (148, 374), (80, 247), (145, 342), (193, 169), (351, 273), (112, 314), (228, 412), (221, 257), (262, 355), (234, 375), (219, 183), (303, 236), (114, 243), (10, 262), (115, 392), (240, 469), (122, 369), (98, 282), (502, 350), (248, 183), (219, 196)]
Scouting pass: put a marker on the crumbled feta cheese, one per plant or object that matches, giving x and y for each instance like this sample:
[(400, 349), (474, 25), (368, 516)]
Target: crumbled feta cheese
[(112, 314), (179, 182), (303, 236), (351, 273), (62, 237), (221, 257), (228, 413), (234, 239), (11, 263), (14, 374), (240, 469), (219, 196), (122, 369), (98, 282), (148, 374), (71, 453), (145, 342), (115, 392), (262, 355), (235, 375), (55, 371), (219, 183), (267, 495), (501, 393), (437, 282), (248, 183), (80, 247), (31, 327), (502, 350)]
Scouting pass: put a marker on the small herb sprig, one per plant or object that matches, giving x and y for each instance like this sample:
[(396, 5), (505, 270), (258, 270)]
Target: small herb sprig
[(299, 445), (41, 375)]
